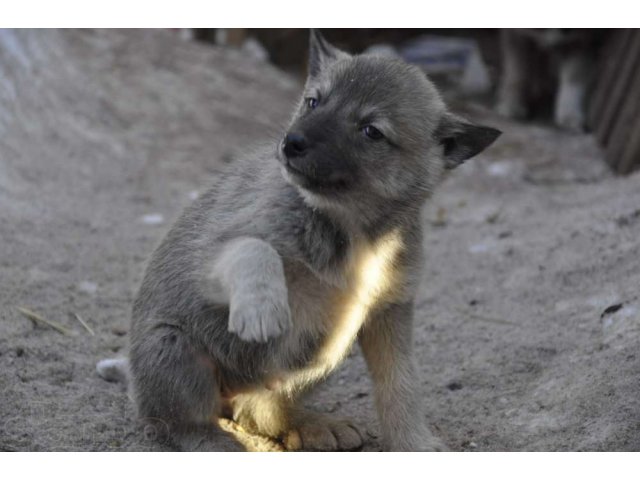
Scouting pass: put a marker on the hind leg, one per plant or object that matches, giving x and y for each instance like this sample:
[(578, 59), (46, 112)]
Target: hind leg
[(174, 382)]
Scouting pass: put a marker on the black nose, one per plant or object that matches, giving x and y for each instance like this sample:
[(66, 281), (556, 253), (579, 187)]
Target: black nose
[(294, 145)]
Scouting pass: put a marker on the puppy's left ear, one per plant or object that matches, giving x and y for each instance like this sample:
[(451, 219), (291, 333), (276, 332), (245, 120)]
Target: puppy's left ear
[(321, 53), (462, 140)]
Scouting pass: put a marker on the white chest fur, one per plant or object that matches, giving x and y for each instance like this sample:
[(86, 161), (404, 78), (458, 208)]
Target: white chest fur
[(372, 278)]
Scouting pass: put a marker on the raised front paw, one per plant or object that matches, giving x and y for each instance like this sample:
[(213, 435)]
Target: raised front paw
[(259, 315), (321, 433)]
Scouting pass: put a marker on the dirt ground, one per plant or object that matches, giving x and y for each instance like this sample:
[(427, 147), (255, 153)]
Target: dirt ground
[(527, 324)]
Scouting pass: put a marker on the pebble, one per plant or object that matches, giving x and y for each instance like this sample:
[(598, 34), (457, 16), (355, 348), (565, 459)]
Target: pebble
[(153, 219), (479, 248), (499, 169), (119, 330), (454, 386), (88, 287)]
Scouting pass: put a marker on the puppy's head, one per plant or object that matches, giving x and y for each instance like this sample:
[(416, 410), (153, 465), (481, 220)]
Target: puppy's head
[(372, 128)]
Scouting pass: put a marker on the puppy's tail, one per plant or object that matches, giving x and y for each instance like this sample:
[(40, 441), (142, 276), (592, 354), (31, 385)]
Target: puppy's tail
[(114, 369)]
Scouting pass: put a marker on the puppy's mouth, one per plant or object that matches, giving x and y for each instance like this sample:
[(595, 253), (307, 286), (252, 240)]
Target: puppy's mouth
[(308, 179)]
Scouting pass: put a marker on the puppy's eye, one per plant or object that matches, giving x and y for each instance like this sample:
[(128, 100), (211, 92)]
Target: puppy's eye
[(372, 132), (312, 102)]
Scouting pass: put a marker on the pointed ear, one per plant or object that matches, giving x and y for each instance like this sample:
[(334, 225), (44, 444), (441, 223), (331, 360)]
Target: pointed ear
[(321, 53), (462, 140)]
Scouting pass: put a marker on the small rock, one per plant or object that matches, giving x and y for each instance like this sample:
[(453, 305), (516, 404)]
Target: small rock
[(499, 169), (453, 386), (153, 219), (479, 248), (628, 219), (493, 217), (119, 330), (88, 287)]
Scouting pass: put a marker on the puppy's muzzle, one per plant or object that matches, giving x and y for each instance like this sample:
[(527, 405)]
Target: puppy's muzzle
[(294, 145)]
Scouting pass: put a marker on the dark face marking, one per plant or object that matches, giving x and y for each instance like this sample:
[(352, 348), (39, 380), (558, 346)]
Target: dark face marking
[(361, 118)]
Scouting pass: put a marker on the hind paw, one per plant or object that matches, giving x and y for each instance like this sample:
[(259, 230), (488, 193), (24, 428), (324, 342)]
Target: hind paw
[(320, 433)]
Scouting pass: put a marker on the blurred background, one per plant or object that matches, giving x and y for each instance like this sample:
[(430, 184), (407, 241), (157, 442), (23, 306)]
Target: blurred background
[(574, 78), (528, 318)]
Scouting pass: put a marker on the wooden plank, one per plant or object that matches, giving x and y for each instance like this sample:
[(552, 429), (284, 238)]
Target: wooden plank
[(630, 158), (620, 87), (622, 127), (608, 65)]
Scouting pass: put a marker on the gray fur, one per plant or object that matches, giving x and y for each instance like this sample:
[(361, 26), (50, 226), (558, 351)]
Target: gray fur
[(261, 287)]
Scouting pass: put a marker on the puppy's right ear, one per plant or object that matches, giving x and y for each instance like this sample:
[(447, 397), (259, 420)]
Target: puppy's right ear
[(321, 53)]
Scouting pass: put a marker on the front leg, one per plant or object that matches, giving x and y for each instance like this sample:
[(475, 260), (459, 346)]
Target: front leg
[(387, 345), (248, 275)]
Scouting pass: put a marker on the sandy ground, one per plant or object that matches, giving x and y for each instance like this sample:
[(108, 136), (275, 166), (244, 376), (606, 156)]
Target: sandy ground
[(527, 325)]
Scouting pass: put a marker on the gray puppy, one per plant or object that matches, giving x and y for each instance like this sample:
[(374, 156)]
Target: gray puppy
[(263, 285)]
